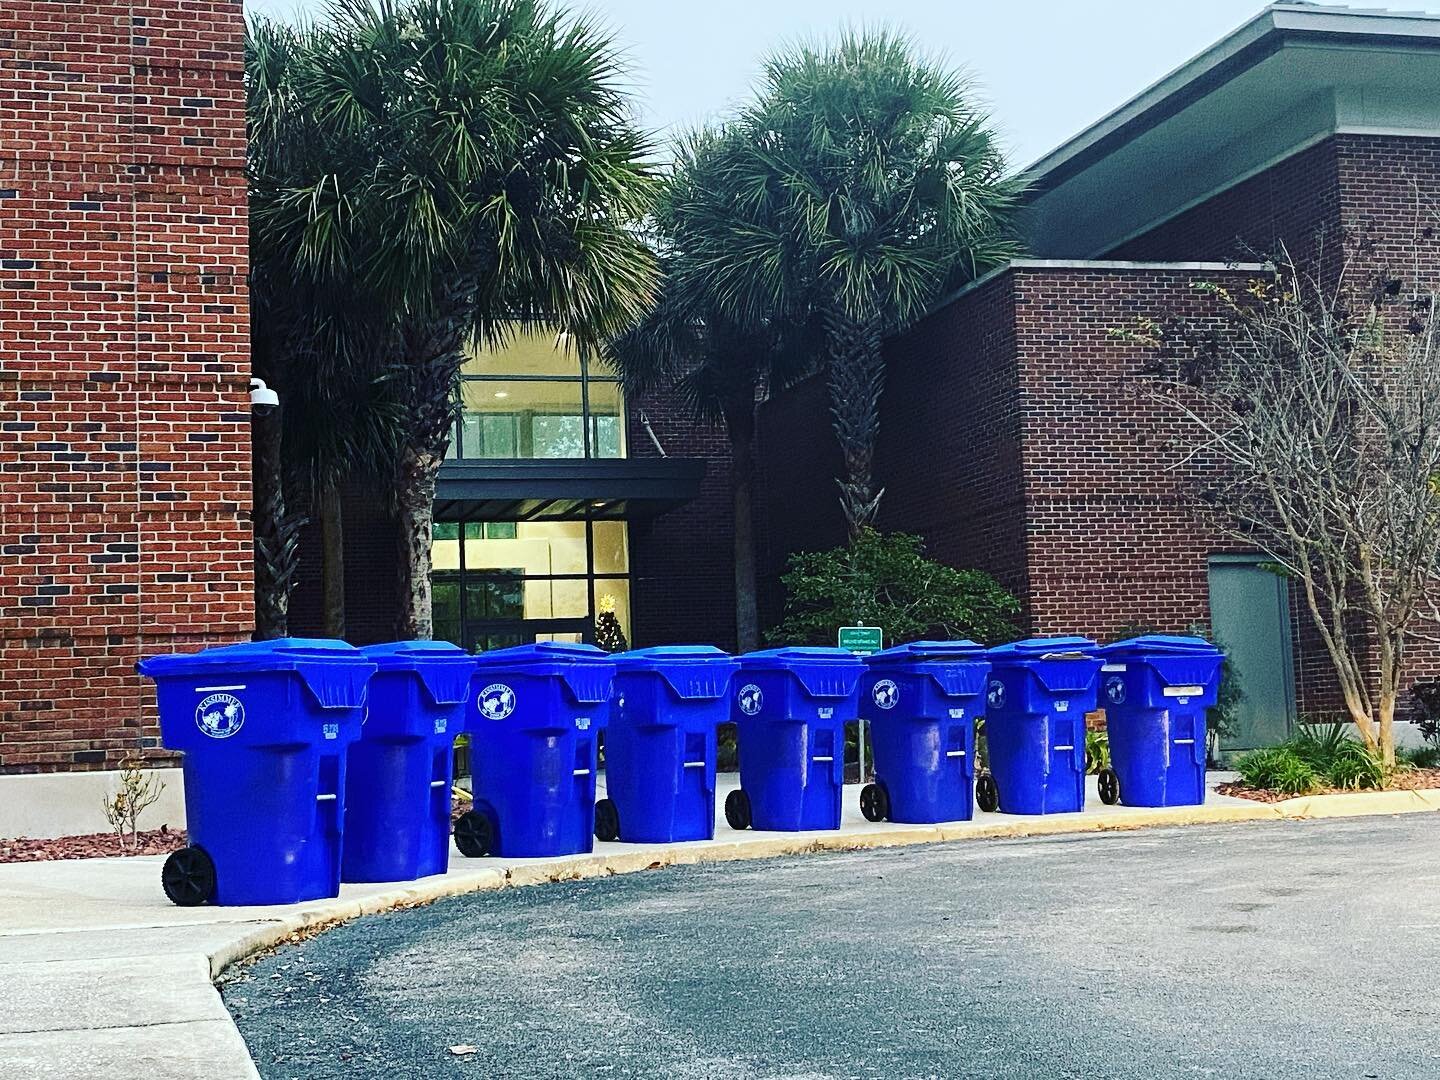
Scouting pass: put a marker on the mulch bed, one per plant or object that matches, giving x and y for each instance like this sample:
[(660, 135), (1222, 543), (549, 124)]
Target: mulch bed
[(91, 846), (1409, 780)]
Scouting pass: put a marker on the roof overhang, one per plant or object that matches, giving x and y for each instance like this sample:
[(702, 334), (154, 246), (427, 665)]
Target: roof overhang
[(1290, 77), (565, 490)]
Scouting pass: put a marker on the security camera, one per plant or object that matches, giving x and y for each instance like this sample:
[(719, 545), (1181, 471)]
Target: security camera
[(262, 398)]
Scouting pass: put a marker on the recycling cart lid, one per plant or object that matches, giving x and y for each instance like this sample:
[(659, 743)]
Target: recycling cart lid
[(651, 658), (824, 671), (585, 669), (1165, 644), (544, 652), (918, 652), (1040, 648), (444, 669), (335, 672), (693, 672), (790, 655)]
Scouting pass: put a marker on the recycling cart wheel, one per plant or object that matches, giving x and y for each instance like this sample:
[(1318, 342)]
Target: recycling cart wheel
[(987, 794), (607, 821), (474, 835), (737, 810), (874, 802), (188, 877), (1108, 781)]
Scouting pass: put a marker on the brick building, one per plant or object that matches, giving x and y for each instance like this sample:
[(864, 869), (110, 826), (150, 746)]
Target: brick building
[(124, 359), (1013, 435)]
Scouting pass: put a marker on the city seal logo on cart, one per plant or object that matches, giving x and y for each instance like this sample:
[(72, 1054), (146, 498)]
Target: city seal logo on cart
[(886, 694), (750, 699), (995, 693), (497, 701), (220, 715), (1115, 690)]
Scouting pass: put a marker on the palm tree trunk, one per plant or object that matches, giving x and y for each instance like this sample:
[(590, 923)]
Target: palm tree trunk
[(855, 377), (416, 506), (277, 533), (740, 424), (332, 565)]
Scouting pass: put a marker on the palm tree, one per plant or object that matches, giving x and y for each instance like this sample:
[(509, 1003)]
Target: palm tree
[(310, 340), (719, 366), (481, 175), (870, 185)]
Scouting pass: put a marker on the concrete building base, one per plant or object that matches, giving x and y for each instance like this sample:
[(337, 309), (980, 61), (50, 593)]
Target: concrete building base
[(40, 806)]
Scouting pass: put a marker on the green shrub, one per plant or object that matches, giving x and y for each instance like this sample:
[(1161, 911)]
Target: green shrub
[(885, 580), (1319, 756), (1097, 751), (1339, 759), (1278, 768), (1419, 757)]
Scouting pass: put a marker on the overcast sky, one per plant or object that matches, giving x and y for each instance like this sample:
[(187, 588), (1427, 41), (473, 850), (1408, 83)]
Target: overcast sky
[(1046, 68)]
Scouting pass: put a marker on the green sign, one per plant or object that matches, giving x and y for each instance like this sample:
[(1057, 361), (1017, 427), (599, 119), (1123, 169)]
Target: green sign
[(862, 640)]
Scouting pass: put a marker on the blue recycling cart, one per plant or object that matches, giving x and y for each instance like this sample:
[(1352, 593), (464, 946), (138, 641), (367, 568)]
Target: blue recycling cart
[(921, 701), (660, 744), (397, 786), (1035, 704), (1155, 691), (265, 728), (535, 718), (790, 708)]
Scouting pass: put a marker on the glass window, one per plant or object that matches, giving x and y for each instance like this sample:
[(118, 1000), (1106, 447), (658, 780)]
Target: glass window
[(607, 420), (525, 353), (557, 436), (445, 607), (532, 397), (611, 554)]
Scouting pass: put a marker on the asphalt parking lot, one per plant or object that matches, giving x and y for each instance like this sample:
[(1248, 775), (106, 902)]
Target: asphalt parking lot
[(1302, 949)]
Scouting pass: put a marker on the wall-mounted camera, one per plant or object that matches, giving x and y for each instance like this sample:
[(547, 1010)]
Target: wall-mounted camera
[(262, 398)]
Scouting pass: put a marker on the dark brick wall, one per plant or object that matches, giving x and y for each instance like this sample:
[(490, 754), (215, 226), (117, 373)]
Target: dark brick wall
[(1291, 204), (682, 587), (949, 455), (124, 415), (1015, 439), (371, 550), (799, 503)]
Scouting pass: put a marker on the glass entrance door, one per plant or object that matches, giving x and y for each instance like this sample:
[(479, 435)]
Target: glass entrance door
[(501, 583)]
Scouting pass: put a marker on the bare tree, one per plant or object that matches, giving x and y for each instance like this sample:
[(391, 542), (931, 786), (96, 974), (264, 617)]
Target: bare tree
[(1317, 412), (139, 790)]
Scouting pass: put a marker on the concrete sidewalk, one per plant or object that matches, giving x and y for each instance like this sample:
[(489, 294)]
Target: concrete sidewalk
[(99, 972)]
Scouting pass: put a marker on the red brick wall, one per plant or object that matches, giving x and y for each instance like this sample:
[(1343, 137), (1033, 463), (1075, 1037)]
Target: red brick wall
[(124, 417), (948, 456), (1113, 537)]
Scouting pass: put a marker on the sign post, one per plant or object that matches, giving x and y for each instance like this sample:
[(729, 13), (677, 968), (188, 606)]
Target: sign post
[(862, 641)]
